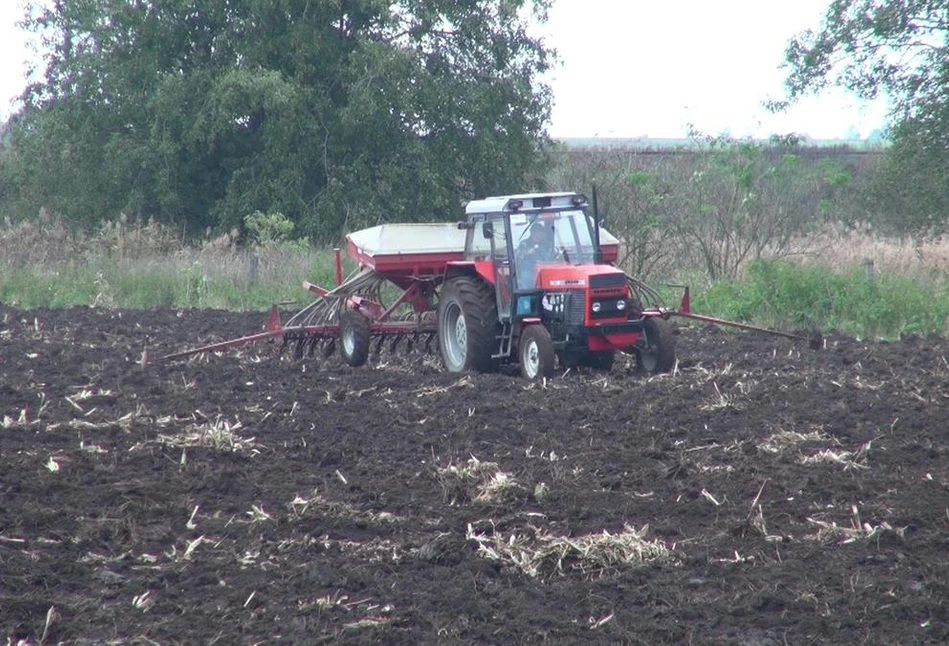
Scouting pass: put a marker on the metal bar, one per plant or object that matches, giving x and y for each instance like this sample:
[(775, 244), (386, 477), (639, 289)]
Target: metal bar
[(401, 299), (597, 252), (742, 326), (223, 345), (273, 323), (316, 289), (339, 267), (392, 328)]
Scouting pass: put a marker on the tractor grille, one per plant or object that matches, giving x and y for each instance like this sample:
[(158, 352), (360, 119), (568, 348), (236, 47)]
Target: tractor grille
[(607, 280), (573, 312)]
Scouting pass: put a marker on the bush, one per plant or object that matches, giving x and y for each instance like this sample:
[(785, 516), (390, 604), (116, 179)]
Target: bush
[(782, 294), (715, 204)]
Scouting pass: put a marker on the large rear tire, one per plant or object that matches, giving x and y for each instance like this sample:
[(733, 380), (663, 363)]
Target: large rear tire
[(658, 353), (468, 325), (354, 338), (536, 353)]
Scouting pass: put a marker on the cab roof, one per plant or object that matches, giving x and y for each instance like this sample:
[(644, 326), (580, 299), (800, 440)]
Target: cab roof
[(500, 203)]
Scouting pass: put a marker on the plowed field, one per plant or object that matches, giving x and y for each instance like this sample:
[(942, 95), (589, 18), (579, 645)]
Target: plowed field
[(762, 493)]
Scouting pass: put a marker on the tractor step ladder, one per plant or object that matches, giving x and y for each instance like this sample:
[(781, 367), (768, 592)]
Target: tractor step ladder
[(505, 341)]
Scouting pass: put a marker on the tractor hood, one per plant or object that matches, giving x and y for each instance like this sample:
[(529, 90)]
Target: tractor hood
[(556, 277)]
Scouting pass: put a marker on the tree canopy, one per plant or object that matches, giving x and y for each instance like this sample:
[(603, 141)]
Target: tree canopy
[(899, 48), (337, 113), (873, 46)]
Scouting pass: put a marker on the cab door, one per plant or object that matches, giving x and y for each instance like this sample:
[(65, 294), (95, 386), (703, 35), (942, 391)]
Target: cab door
[(496, 231)]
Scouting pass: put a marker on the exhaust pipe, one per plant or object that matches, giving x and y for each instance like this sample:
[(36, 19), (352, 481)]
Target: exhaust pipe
[(597, 253)]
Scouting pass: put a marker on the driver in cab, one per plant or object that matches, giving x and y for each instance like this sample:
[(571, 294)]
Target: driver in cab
[(537, 248)]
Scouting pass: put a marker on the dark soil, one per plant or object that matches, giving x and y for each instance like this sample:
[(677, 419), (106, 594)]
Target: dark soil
[(801, 496)]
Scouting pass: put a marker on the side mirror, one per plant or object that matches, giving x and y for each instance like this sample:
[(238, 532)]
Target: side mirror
[(487, 229), (464, 225)]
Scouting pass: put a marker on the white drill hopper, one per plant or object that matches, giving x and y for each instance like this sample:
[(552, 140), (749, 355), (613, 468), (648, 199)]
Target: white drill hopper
[(416, 249)]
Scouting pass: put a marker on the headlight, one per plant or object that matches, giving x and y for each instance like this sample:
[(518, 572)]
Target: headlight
[(621, 304), (596, 307)]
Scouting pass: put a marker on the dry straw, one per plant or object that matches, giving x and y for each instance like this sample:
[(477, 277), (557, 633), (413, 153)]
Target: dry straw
[(538, 553)]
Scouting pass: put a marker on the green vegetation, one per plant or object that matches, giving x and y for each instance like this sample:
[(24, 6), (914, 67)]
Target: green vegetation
[(142, 266), (856, 301), (896, 49), (168, 282), (204, 154), (719, 204), (129, 265), (337, 113)]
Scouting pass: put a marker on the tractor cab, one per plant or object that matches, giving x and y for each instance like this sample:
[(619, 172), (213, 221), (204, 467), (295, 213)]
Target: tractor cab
[(526, 244), (540, 241)]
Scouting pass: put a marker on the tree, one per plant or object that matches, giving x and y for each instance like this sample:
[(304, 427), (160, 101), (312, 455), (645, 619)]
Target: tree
[(899, 48), (337, 113)]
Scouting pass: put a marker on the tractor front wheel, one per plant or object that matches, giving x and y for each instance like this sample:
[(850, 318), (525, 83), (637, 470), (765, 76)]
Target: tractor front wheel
[(354, 337), (536, 353), (656, 352), (468, 325)]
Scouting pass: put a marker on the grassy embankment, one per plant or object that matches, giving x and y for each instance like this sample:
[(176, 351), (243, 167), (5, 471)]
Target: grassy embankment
[(857, 282), (42, 264)]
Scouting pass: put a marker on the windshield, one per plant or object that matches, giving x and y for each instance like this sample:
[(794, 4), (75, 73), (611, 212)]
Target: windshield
[(556, 237)]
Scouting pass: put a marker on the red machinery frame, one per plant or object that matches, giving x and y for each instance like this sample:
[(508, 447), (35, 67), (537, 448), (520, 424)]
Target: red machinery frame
[(418, 275)]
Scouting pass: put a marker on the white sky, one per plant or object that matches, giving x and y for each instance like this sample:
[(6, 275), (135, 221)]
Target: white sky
[(12, 55), (634, 68)]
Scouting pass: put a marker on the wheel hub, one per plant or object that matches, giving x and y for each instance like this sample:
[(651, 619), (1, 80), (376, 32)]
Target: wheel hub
[(349, 341), (531, 359), (454, 329), (461, 331)]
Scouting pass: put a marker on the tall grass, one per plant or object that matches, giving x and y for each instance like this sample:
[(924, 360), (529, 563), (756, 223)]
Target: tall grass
[(854, 300), (144, 265), (828, 282), (841, 247), (847, 277)]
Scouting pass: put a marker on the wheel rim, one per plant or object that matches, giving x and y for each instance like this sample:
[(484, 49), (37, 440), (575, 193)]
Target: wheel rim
[(349, 341), (649, 355), (648, 359), (531, 359), (454, 331)]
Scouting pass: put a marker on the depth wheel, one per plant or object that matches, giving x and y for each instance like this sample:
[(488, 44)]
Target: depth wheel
[(536, 353), (468, 325), (354, 336), (657, 353)]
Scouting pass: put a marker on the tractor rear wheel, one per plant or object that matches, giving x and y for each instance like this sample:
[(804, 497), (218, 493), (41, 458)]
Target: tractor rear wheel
[(468, 325), (354, 337), (536, 353), (658, 353)]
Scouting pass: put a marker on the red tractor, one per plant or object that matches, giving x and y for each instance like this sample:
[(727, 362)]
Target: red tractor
[(536, 286)]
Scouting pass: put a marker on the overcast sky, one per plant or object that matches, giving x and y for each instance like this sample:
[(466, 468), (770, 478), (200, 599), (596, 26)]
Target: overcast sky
[(633, 68)]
